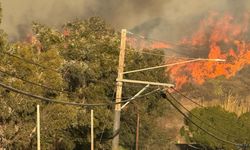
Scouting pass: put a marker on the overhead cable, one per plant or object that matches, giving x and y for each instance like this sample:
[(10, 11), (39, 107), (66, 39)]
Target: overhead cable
[(58, 101), (30, 62), (204, 130), (202, 121)]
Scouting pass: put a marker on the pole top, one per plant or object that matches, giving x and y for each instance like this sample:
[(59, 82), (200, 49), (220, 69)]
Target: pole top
[(124, 30)]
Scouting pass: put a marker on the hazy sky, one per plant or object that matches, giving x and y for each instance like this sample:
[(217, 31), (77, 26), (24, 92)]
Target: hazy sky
[(19, 14)]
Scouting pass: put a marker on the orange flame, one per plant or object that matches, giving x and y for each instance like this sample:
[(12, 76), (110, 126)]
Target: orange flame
[(217, 32)]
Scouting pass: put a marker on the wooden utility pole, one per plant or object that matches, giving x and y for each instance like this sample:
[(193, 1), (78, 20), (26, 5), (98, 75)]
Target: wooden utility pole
[(137, 131), (92, 129), (38, 128), (116, 128)]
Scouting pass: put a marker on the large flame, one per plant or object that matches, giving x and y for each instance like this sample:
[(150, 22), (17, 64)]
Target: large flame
[(221, 36), (225, 39)]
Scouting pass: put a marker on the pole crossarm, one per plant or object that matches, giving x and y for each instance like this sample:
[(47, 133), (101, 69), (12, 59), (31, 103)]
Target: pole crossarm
[(145, 82), (135, 96), (173, 64)]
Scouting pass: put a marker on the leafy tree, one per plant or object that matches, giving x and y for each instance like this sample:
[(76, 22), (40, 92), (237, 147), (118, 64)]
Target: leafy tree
[(18, 114), (84, 59), (226, 126), (244, 120)]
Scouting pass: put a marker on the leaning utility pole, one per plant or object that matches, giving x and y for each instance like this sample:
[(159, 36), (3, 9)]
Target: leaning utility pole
[(116, 128)]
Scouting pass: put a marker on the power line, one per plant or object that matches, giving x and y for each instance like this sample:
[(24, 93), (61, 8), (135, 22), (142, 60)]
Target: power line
[(172, 45), (49, 88), (202, 121), (204, 130), (157, 40), (193, 146), (149, 53), (61, 102), (33, 83), (163, 55), (30, 62), (150, 39), (173, 64), (225, 119), (187, 97), (56, 101)]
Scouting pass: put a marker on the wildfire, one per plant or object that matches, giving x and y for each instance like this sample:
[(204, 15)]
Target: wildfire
[(223, 35)]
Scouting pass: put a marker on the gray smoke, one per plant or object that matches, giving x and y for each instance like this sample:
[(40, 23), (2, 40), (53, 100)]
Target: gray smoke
[(172, 16)]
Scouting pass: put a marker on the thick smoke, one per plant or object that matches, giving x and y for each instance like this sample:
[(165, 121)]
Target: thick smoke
[(160, 18)]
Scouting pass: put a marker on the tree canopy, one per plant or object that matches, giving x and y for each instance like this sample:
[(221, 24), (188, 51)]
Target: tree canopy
[(223, 124), (77, 63)]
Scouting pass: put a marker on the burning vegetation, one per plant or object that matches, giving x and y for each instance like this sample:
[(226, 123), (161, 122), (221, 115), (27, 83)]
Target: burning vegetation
[(78, 63), (226, 39), (219, 36)]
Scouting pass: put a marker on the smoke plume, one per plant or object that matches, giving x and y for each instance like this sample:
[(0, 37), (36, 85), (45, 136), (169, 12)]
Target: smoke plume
[(161, 18)]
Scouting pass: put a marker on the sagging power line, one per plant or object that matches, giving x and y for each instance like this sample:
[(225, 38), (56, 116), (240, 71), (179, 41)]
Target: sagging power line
[(30, 62), (65, 102), (201, 128), (32, 83), (201, 106), (219, 130)]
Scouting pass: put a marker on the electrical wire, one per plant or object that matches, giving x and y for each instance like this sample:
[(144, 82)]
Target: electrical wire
[(49, 88), (10, 88), (177, 91), (44, 86), (149, 39), (204, 130), (202, 121), (173, 64), (33, 83), (57, 101), (172, 44), (30, 62), (157, 40), (193, 146), (190, 99), (163, 55), (135, 85)]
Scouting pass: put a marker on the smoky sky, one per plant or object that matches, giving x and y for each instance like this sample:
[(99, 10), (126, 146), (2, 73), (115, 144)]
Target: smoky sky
[(158, 17)]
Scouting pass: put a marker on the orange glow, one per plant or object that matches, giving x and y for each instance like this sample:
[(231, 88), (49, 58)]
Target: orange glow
[(215, 32), (222, 35)]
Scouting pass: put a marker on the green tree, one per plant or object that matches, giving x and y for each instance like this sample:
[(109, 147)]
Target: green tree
[(244, 120), (85, 57), (226, 126), (18, 115), (91, 50)]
